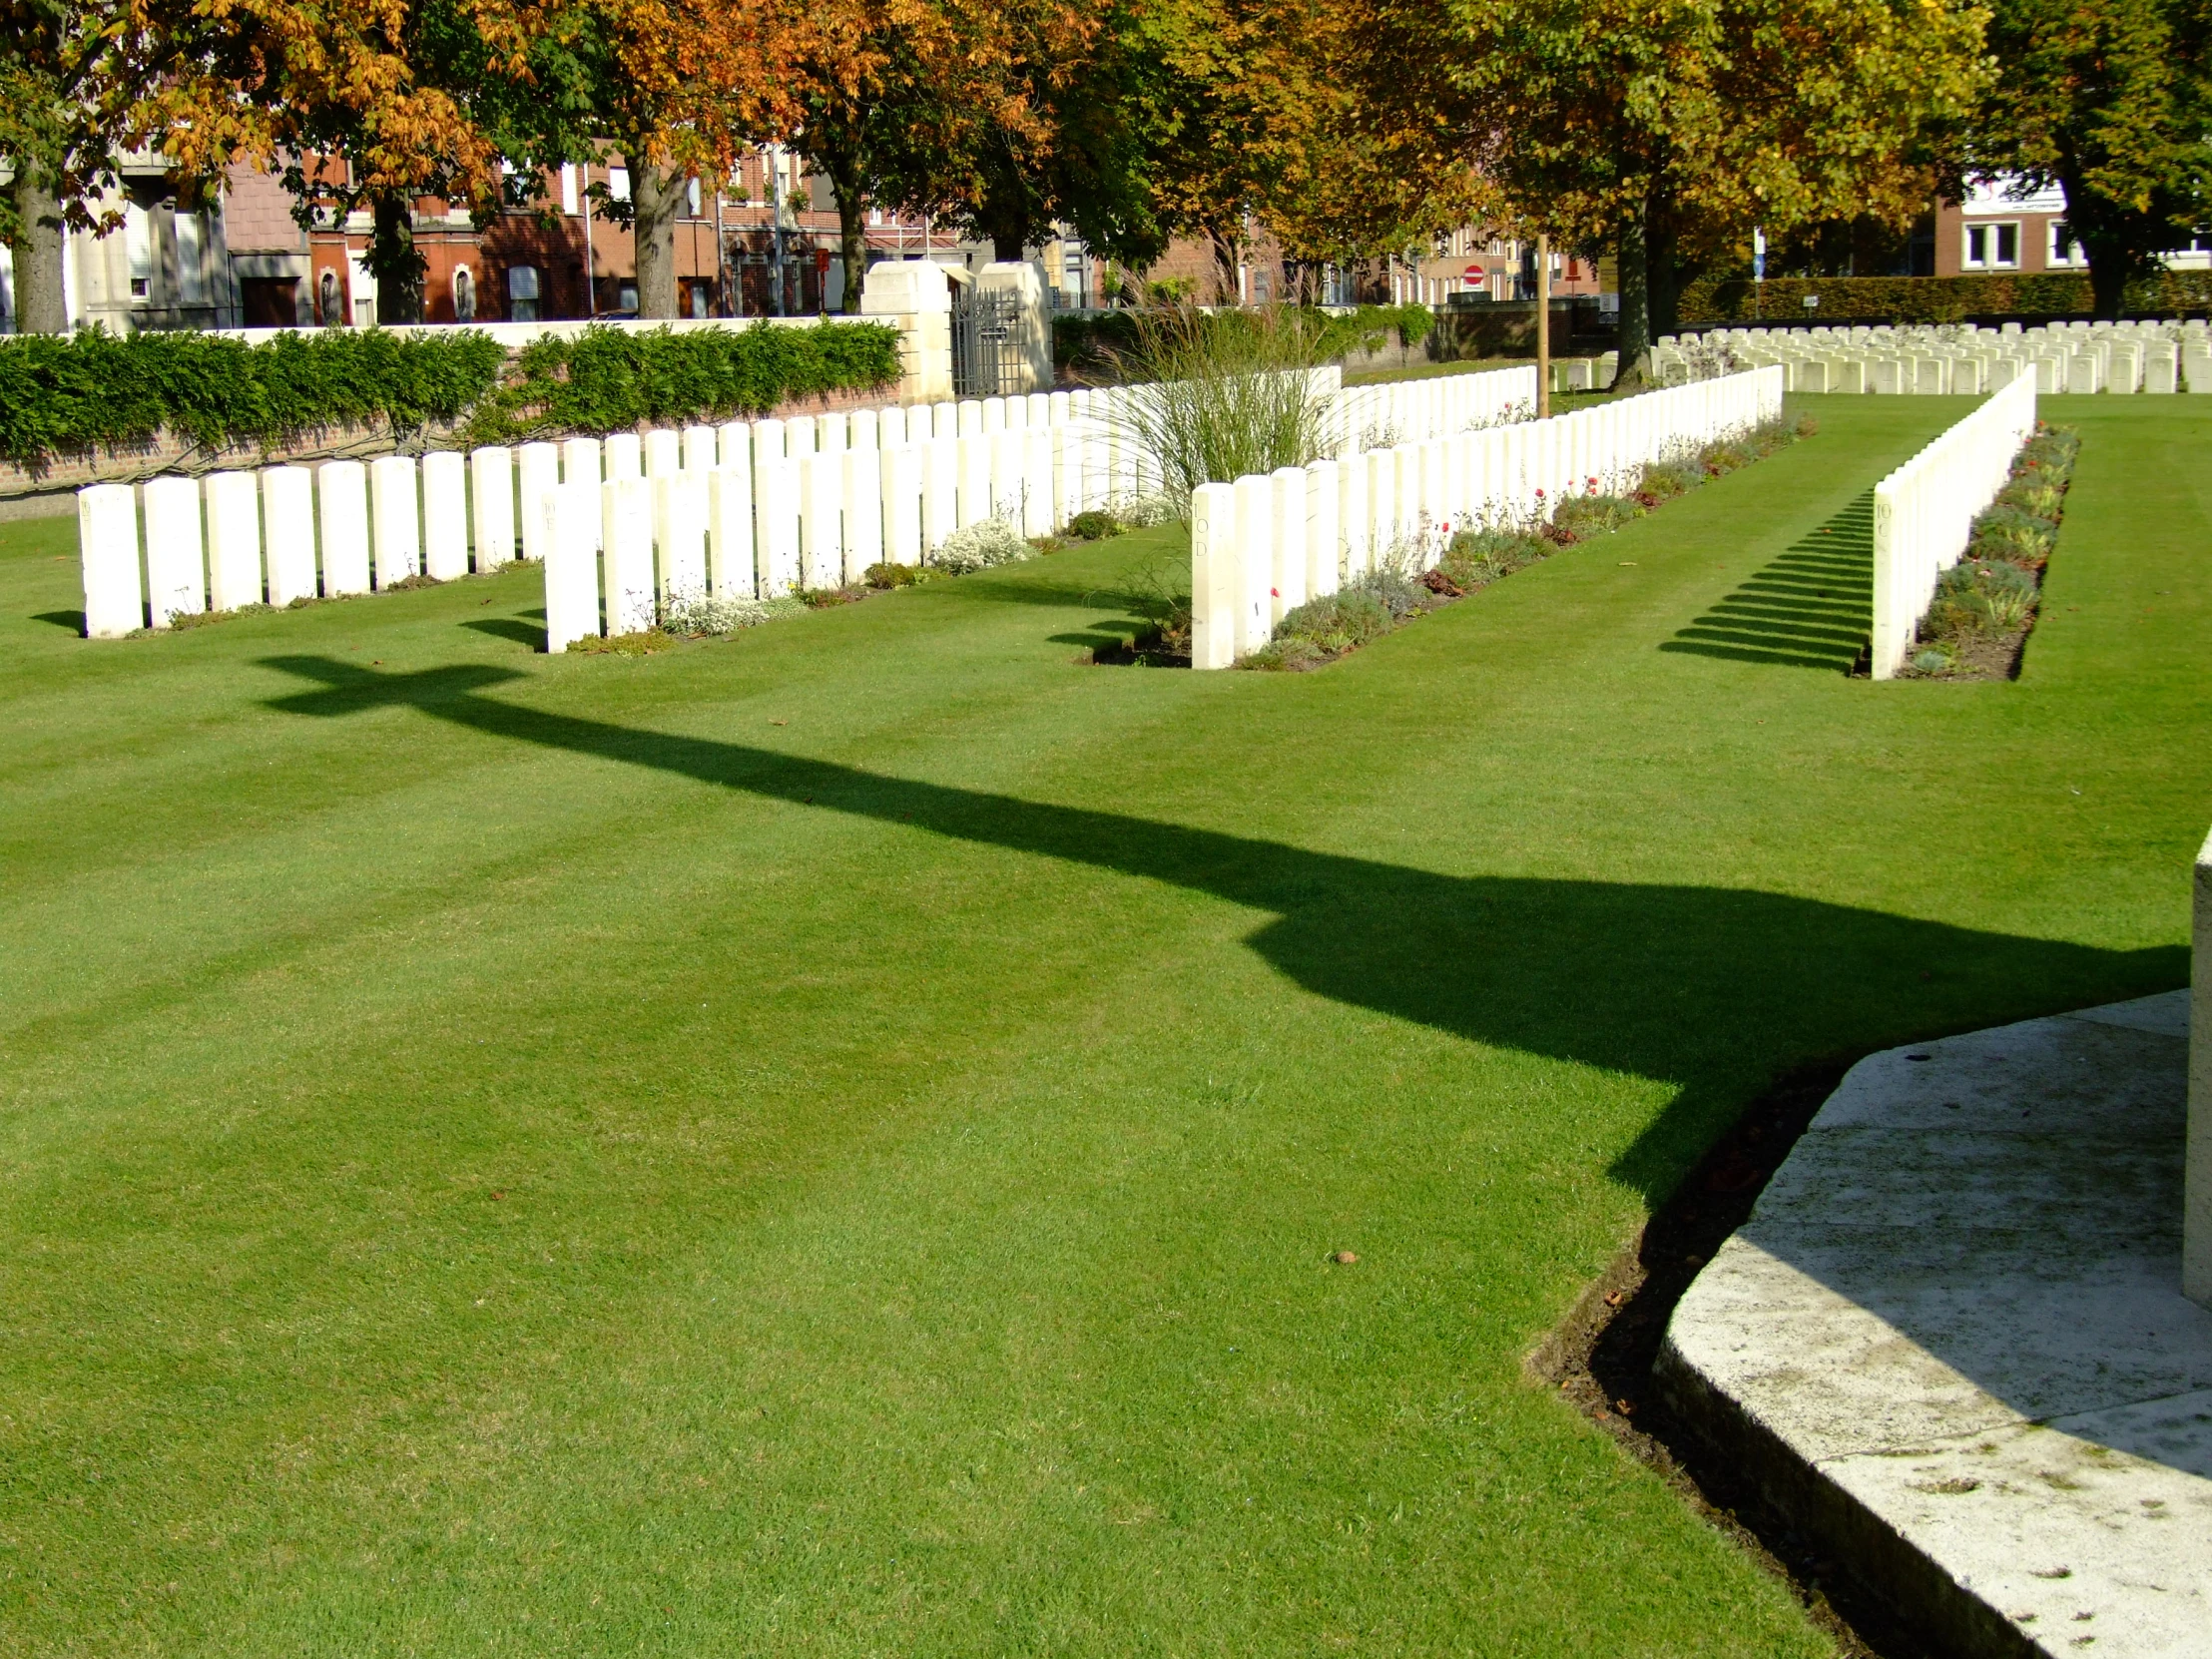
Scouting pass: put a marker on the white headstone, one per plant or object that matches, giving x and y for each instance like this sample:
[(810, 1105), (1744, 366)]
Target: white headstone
[(680, 534), (768, 442), (1254, 562), (830, 434), (397, 518), (288, 532), (622, 454), (626, 532), (891, 428), (537, 472), (901, 473), (735, 448), (108, 545), (702, 450), (864, 513), (775, 525), (940, 490), (234, 540), (975, 480), (445, 515), (1287, 557), (1324, 542), (341, 497), (1216, 577), (861, 430), (1354, 524), (730, 532), (822, 517), (664, 452), (175, 581), (799, 436), (491, 495), (569, 539)]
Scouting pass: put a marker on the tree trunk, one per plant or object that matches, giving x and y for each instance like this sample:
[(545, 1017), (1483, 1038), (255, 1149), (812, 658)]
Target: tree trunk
[(655, 195), (394, 261), (843, 172), (1632, 368), (41, 305)]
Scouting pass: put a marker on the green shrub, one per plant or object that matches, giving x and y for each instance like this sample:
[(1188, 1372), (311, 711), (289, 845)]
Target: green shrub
[(1723, 457), (1664, 480), (1476, 558), (80, 394), (1094, 525), (979, 546), (1980, 596), (609, 380), (1393, 588), (896, 576)]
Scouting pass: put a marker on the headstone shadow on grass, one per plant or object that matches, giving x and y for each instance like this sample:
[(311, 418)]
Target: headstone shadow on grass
[(1810, 608), (1715, 990)]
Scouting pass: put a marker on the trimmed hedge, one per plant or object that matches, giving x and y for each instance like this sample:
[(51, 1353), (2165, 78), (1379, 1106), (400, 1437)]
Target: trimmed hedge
[(74, 395), (1089, 343), (1932, 298), (79, 394), (609, 380)]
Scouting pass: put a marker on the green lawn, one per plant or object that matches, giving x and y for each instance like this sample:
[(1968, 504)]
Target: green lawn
[(829, 1143)]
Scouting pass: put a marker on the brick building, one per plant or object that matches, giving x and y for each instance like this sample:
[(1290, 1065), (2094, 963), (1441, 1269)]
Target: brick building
[(2002, 225)]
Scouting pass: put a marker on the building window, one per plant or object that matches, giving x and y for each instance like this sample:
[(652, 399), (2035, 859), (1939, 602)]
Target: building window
[(1993, 248), (522, 293), (464, 294), (192, 258), (138, 243), (2064, 249), (618, 183), (626, 297), (568, 186), (690, 196), (328, 312)]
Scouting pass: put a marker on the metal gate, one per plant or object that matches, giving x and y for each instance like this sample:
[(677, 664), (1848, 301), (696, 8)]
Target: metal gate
[(986, 350)]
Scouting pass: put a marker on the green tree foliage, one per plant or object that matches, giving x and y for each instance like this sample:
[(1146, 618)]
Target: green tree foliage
[(2111, 99), (1664, 132)]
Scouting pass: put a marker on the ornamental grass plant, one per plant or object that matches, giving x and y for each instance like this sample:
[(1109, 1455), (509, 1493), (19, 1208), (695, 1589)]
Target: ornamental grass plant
[(1217, 398)]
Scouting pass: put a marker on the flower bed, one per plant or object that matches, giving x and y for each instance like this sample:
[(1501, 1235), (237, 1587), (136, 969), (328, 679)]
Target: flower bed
[(1985, 605)]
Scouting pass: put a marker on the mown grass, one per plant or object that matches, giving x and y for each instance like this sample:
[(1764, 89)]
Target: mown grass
[(829, 1142)]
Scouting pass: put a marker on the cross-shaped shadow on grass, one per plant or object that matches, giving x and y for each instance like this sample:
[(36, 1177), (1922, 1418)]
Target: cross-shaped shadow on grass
[(1810, 608), (1713, 989)]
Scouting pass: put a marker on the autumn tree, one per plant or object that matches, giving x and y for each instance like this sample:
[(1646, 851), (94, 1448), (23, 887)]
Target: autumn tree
[(677, 87), (1049, 118), (2112, 101), (369, 107)]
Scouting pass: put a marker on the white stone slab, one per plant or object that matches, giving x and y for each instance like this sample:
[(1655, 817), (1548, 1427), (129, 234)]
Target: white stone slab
[(622, 454), (776, 526), (1353, 525), (288, 534), (234, 540), (861, 430), (175, 577), (569, 539), (735, 449), (626, 532), (1324, 538), (702, 450), (341, 502), (1957, 1308), (491, 500), (1038, 484), (1286, 554), (1217, 584), (1254, 562), (108, 548), (944, 420), (975, 478), (993, 414), (768, 444), (864, 513), (940, 490), (892, 427), (729, 547), (901, 473), (537, 473), (680, 534), (799, 436), (1009, 485), (396, 518), (830, 432), (445, 515), (822, 517)]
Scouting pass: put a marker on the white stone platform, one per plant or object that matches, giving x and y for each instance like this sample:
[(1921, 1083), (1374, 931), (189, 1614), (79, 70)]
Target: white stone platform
[(1951, 1340)]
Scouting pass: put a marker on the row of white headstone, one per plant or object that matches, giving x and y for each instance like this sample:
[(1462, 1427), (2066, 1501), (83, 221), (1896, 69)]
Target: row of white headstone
[(1924, 513), (1960, 358), (809, 501), (1265, 545)]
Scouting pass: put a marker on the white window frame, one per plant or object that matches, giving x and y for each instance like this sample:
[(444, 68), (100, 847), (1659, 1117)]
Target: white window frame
[(1992, 230), (463, 272)]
